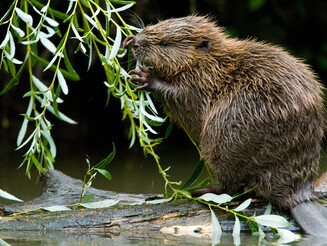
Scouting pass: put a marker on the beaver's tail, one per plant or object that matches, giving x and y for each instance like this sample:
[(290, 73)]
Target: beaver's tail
[(312, 218)]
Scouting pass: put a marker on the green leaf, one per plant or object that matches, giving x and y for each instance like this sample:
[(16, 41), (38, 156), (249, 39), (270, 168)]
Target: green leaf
[(195, 175), (102, 164), (253, 226), (271, 220), (210, 197), (87, 198), (12, 68), (237, 231), (5, 41), (127, 6), (67, 74), (24, 16), (100, 204), (203, 183), (104, 172), (62, 82), (57, 208), (237, 226), (116, 45), (243, 206), (52, 145), (19, 31), (23, 128), (53, 12), (268, 209), (8, 196), (69, 66), (122, 2), (37, 164), (169, 129), (159, 201), (3, 243), (7, 13), (286, 236), (216, 228)]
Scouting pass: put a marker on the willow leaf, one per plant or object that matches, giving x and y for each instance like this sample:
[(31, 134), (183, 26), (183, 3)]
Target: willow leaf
[(15, 80), (67, 74), (116, 45)]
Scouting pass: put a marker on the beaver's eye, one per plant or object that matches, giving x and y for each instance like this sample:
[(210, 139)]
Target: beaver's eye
[(164, 44)]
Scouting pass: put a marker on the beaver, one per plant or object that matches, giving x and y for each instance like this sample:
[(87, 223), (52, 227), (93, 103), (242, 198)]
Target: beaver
[(255, 111)]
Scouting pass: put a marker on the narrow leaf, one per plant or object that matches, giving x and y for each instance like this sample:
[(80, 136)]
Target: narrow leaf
[(47, 43), (159, 201), (52, 145), (7, 13), (210, 197), (24, 16), (100, 204), (87, 198), (268, 209), (59, 115), (271, 220), (57, 208), (102, 164), (3, 243), (27, 140), (237, 226), (243, 205), (77, 34), (19, 31), (14, 81), (104, 172), (23, 128), (6, 195), (12, 46), (44, 9), (127, 6), (149, 100), (195, 175), (286, 236), (216, 228), (116, 45), (51, 22), (237, 231), (5, 41), (62, 82)]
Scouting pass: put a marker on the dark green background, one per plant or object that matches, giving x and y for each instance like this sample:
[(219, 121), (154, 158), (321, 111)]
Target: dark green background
[(299, 26)]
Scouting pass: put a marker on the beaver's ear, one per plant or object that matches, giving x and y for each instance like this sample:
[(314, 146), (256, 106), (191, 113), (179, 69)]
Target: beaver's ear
[(204, 44)]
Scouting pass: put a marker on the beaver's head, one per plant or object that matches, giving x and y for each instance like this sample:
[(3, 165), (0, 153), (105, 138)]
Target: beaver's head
[(174, 45)]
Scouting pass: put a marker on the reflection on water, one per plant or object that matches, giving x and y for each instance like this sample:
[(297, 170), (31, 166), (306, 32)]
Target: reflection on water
[(131, 171), (133, 238)]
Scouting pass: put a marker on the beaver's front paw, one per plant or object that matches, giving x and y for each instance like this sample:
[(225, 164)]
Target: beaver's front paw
[(144, 78)]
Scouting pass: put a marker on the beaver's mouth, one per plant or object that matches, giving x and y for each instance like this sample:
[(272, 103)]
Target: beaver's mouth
[(139, 51)]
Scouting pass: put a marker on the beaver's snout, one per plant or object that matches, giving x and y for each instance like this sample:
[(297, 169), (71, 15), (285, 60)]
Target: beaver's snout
[(135, 40)]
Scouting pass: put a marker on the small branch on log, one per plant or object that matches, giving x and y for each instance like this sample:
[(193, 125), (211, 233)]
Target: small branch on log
[(173, 217)]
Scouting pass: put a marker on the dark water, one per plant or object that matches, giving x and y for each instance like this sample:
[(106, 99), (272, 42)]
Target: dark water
[(131, 172)]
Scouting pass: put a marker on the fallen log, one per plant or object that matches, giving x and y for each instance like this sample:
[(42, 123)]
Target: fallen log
[(177, 217)]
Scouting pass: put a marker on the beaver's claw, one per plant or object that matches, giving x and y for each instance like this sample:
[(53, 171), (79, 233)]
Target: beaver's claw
[(144, 77), (128, 40)]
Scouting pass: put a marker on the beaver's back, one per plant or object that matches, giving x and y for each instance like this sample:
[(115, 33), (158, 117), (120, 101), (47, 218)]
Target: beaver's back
[(267, 131)]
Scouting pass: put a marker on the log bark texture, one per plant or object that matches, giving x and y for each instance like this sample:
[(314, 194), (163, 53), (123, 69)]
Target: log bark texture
[(181, 216)]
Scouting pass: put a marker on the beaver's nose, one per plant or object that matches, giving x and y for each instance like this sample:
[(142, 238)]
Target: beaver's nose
[(136, 42)]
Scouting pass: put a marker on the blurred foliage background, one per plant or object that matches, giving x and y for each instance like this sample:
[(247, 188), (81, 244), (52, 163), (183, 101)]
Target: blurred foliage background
[(299, 26)]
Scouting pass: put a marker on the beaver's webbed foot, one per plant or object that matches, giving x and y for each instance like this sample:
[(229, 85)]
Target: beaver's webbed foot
[(215, 188), (144, 77)]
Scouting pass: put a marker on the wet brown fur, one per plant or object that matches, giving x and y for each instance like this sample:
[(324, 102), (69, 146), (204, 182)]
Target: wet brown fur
[(255, 111)]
